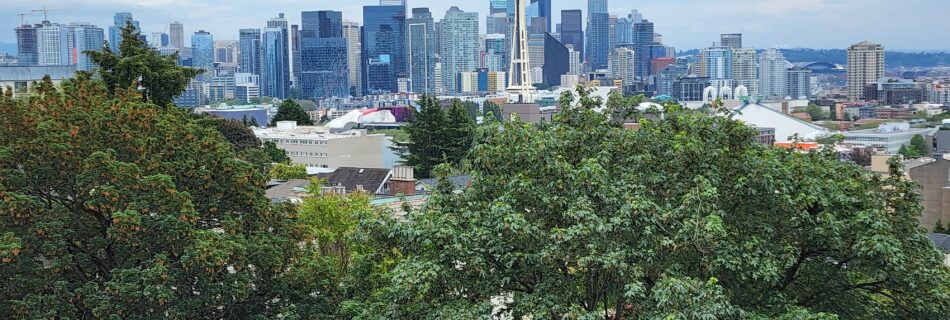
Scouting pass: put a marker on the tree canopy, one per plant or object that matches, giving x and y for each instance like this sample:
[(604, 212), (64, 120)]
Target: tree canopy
[(436, 136), (115, 208), (687, 218), (289, 110), (138, 64)]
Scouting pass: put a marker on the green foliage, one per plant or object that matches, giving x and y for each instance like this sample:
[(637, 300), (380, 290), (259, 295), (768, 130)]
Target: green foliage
[(436, 136), (815, 112), (113, 208), (919, 145), (939, 228), (285, 171), (275, 154), (492, 110), (289, 110), (235, 132), (687, 218), (161, 76), (831, 139), (908, 152)]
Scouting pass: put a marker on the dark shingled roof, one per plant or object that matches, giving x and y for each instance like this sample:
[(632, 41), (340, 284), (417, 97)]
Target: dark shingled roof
[(349, 178)]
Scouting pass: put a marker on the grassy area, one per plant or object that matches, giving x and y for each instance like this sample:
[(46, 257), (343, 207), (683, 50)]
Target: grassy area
[(398, 135)]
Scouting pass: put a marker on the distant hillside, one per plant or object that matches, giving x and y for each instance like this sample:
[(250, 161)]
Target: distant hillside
[(893, 59)]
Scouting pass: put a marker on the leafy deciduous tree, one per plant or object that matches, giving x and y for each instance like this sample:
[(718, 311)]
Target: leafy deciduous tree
[(289, 110)]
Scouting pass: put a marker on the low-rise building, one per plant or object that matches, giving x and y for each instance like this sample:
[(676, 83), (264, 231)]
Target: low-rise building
[(888, 136), (786, 127), (21, 78), (318, 147)]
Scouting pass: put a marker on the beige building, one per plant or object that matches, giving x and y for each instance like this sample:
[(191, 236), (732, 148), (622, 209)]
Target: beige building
[(865, 65), (317, 147), (744, 70)]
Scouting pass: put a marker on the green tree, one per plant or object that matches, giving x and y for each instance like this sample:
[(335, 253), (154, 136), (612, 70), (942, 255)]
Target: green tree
[(459, 133), (275, 154), (427, 143), (815, 112), (235, 132), (919, 144), (490, 109), (285, 171), (687, 218), (289, 110), (137, 64), (908, 152), (114, 208), (939, 228)]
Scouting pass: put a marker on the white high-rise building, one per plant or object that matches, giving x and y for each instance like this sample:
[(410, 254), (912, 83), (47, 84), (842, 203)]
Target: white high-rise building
[(772, 74), (574, 58), (865, 65), (52, 44), (351, 32), (459, 46), (622, 65)]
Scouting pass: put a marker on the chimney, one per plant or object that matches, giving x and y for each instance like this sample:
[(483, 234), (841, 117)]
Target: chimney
[(402, 181)]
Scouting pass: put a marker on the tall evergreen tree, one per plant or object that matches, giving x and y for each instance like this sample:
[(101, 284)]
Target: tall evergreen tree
[(458, 132), (919, 144), (289, 110), (137, 64), (427, 141)]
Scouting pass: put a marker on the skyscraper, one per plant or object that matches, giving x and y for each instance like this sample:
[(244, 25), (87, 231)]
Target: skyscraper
[(539, 17), (421, 51), (865, 65), (744, 70), (384, 58), (556, 61), (52, 41), (323, 54), (202, 50), (275, 59), (494, 54), (459, 46), (26, 45), (642, 39), (772, 74), (799, 83), (623, 65), (572, 31), (120, 20), (598, 34), (250, 51), (176, 32), (351, 31), (731, 40), (85, 37), (717, 63), (295, 66), (497, 19)]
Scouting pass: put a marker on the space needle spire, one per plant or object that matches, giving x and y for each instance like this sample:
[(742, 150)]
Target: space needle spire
[(520, 88)]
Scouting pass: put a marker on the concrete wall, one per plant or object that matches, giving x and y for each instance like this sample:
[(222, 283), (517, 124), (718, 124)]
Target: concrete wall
[(933, 178)]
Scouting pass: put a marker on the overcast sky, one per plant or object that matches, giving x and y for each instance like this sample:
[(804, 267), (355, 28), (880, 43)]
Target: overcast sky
[(898, 24)]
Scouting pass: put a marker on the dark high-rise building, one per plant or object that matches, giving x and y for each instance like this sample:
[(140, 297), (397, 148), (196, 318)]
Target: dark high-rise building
[(421, 51), (27, 45), (690, 88), (295, 55), (572, 30), (323, 54), (731, 40), (384, 57), (642, 39), (598, 34), (556, 61), (275, 59), (250, 51)]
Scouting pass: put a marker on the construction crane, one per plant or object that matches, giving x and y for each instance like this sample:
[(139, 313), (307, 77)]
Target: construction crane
[(45, 12), (23, 17)]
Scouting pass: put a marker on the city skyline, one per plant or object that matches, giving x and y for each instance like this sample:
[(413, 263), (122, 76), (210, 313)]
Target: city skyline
[(685, 24)]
